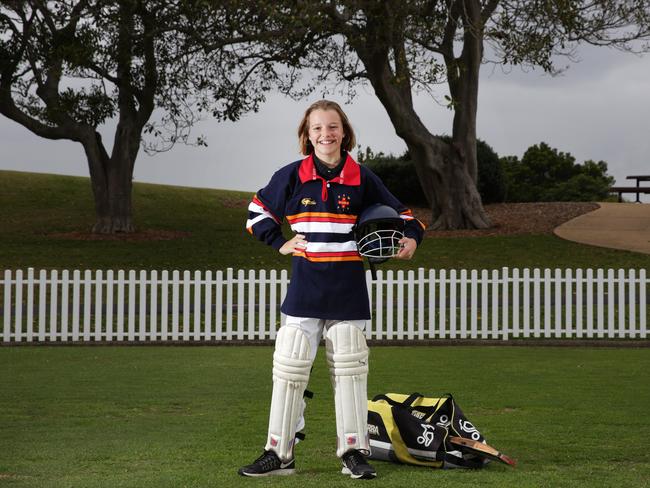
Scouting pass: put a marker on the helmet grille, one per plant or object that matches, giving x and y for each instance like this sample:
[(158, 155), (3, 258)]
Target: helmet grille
[(380, 245)]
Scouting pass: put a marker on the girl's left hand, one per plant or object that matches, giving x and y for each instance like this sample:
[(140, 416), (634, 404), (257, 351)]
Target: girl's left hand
[(408, 248)]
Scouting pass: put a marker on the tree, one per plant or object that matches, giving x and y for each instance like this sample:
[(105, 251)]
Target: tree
[(68, 66), (545, 174), (400, 46)]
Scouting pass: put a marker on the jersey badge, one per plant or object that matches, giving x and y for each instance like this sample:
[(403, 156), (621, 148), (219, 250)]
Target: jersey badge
[(308, 201), (343, 203)]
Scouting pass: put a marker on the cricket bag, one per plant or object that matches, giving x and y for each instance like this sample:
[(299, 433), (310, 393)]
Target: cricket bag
[(434, 432)]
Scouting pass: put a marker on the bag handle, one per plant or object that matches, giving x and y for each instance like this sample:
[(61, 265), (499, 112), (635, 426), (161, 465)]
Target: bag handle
[(406, 403)]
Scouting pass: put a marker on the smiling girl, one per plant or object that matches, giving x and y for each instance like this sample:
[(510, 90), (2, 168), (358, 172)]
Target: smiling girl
[(321, 196)]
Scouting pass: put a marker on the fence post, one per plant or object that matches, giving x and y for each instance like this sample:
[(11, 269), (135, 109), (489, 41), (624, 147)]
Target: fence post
[(121, 281), (453, 290), (164, 305), (110, 281), (87, 287), (410, 303), (590, 303), (131, 305), (18, 322), (229, 300), (537, 304), (485, 312), (142, 322), (442, 308), (197, 305), (6, 328), (186, 305), (432, 303), (516, 329), (29, 326), (505, 304), (400, 304), (495, 304), (389, 304), (251, 304), (76, 302), (379, 305), (474, 311), (632, 328), (643, 310), (209, 334), (218, 306), (154, 331), (99, 277), (600, 307), (548, 282), (526, 301), (568, 303), (420, 303), (579, 303), (558, 302), (621, 304), (240, 304), (261, 305)]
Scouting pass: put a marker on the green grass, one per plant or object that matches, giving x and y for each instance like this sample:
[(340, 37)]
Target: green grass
[(190, 416), (35, 206)]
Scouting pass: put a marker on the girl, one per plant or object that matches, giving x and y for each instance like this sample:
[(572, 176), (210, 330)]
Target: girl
[(321, 196)]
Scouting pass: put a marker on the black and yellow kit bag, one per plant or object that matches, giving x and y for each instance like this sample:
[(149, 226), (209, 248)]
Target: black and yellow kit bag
[(413, 429)]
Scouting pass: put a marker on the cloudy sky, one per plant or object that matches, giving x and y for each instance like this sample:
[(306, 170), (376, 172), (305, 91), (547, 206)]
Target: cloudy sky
[(598, 109)]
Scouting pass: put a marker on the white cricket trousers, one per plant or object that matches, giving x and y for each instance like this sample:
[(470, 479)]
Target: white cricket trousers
[(315, 328)]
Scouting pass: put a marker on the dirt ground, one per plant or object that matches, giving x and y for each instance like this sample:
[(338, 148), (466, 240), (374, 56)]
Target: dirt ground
[(516, 218)]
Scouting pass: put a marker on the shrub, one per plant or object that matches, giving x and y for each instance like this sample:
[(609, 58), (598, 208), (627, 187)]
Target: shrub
[(545, 174)]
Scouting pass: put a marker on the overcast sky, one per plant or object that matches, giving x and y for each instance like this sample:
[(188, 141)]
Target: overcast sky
[(598, 109)]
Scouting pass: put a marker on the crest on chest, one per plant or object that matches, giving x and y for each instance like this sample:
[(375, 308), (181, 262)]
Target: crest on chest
[(343, 202)]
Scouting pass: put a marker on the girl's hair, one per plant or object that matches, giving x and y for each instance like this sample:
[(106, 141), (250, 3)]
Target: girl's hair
[(306, 148)]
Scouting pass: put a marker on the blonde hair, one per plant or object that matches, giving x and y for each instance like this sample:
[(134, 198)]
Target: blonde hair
[(306, 148)]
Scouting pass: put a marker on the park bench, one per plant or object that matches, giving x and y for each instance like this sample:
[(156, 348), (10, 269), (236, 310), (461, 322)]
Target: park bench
[(632, 189)]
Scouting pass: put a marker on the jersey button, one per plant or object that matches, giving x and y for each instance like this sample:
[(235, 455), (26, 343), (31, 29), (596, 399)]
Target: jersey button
[(328, 185)]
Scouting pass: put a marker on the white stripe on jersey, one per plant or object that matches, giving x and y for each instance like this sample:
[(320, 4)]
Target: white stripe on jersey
[(331, 246), (264, 214), (325, 227)]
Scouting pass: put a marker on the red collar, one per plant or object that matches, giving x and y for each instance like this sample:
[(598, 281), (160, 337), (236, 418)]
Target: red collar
[(350, 174)]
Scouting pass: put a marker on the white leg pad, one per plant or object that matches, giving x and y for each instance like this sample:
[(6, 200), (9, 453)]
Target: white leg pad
[(347, 357), (291, 368)]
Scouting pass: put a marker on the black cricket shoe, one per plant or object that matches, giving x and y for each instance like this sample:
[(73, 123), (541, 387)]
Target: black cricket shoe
[(268, 464), (356, 466)]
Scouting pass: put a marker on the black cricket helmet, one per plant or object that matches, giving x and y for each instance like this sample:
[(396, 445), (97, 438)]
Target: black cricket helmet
[(378, 231)]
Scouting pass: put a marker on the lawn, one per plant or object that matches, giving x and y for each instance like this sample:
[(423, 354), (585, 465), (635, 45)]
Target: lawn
[(190, 416), (35, 209)]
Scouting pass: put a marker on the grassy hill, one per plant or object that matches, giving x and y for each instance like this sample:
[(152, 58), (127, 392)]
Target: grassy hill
[(44, 223)]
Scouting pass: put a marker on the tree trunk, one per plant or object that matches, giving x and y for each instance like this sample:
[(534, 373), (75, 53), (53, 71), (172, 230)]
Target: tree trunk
[(111, 181), (455, 202)]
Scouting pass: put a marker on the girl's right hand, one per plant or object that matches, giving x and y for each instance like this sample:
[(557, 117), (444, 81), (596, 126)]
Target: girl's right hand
[(296, 244)]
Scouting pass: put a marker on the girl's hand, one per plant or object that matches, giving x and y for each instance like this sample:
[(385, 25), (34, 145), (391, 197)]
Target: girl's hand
[(296, 244), (408, 248)]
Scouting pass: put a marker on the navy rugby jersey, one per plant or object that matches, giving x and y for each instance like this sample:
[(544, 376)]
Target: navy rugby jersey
[(328, 279)]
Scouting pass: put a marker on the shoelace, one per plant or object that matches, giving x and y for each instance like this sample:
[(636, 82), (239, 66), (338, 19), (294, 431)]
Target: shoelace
[(355, 459), (267, 460)]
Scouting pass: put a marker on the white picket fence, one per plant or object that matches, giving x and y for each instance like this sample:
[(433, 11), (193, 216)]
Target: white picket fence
[(150, 306)]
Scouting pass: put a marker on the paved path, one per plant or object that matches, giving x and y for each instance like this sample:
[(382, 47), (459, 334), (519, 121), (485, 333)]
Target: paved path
[(617, 225)]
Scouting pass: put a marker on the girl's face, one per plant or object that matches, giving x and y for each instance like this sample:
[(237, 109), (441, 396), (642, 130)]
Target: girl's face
[(326, 134)]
